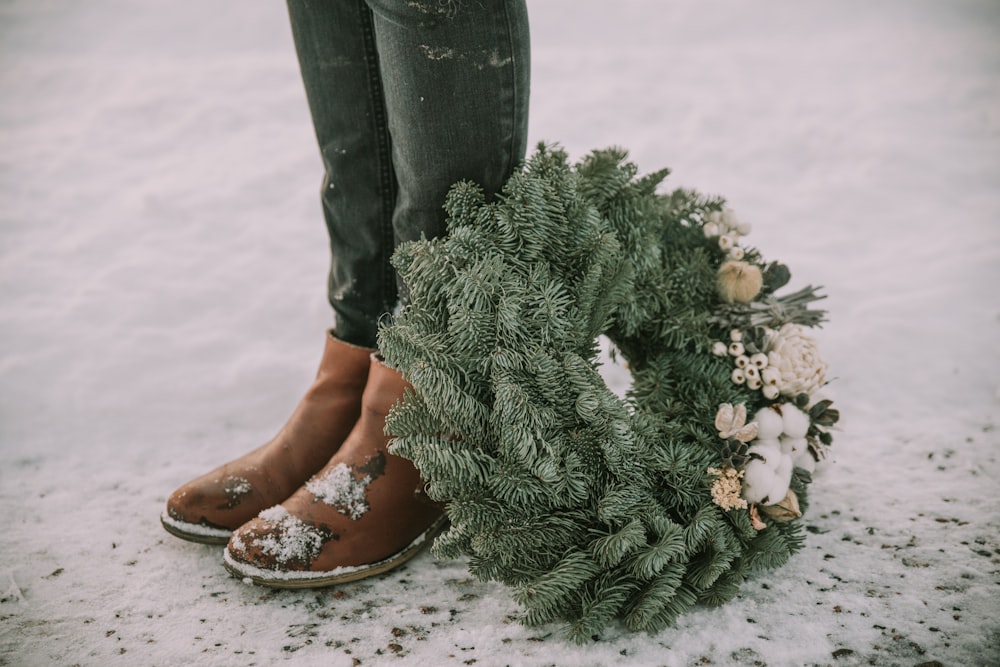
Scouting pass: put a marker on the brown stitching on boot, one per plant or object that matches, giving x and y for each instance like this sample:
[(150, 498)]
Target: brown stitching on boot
[(345, 488)]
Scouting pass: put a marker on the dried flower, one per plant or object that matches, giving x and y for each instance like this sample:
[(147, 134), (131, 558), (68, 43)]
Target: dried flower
[(759, 360), (739, 282), (784, 510), (734, 453), (736, 252), (736, 335), (755, 519), (770, 392), (751, 371), (731, 422), (720, 349), (742, 361), (796, 357), (711, 229), (726, 488), (737, 376), (736, 349), (753, 383), (726, 243)]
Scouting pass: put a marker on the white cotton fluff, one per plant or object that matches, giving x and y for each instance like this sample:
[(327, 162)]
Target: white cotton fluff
[(766, 479), (758, 478), (768, 449), (793, 446), (783, 479), (795, 423), (805, 460), (770, 425)]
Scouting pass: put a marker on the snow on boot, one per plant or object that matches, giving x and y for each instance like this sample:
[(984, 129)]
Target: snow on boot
[(209, 508), (361, 515)]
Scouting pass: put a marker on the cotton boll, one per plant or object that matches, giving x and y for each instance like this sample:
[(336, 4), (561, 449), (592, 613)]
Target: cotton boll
[(769, 452), (778, 490), (793, 446), (795, 422), (785, 466), (770, 425), (758, 481), (782, 480), (805, 460)]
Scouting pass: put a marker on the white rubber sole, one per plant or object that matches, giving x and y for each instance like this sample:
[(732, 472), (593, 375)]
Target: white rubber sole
[(194, 532), (340, 575)]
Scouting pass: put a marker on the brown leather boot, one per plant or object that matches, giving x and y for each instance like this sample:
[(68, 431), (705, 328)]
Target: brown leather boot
[(209, 508), (361, 515)]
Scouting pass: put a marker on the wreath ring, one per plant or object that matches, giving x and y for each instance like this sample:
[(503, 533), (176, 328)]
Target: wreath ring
[(593, 507)]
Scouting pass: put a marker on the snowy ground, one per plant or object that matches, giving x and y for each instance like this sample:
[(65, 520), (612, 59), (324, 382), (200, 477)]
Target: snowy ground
[(162, 266)]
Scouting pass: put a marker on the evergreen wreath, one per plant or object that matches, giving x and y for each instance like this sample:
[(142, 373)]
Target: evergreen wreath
[(591, 507)]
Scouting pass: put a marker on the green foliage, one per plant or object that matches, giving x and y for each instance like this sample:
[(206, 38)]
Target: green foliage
[(592, 508)]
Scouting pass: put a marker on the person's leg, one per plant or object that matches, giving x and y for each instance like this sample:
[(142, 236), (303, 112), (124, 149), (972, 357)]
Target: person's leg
[(455, 75), (455, 81), (335, 42), (336, 47)]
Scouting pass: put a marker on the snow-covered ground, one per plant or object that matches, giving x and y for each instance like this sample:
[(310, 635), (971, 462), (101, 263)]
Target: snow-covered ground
[(162, 271)]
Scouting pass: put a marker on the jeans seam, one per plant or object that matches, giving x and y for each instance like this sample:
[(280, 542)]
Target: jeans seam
[(515, 93), (384, 157)]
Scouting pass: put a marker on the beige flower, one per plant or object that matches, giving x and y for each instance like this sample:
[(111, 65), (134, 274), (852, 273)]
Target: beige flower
[(726, 489), (739, 281), (796, 357), (731, 422)]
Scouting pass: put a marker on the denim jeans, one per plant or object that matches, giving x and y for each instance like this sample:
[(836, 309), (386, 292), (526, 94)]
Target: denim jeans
[(407, 97)]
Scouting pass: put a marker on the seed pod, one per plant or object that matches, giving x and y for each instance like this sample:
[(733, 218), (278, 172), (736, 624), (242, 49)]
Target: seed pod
[(739, 281)]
